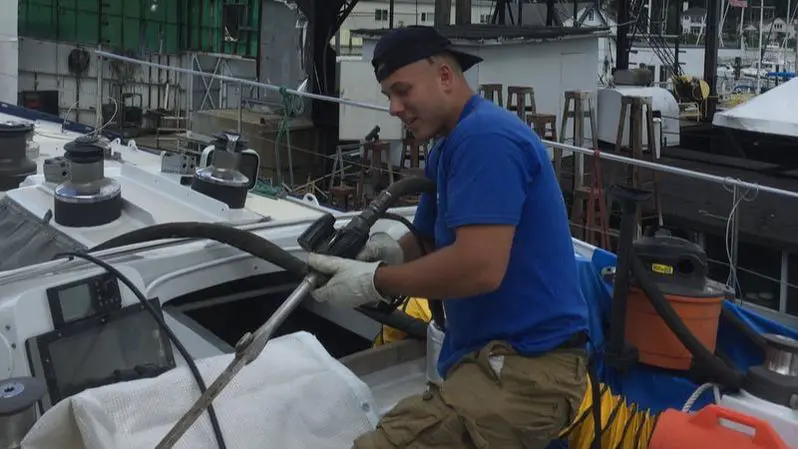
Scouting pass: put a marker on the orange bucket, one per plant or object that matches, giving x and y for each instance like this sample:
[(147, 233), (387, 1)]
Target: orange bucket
[(704, 430), (655, 342)]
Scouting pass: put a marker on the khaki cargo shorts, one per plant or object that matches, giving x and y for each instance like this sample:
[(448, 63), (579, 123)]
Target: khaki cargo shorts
[(494, 399)]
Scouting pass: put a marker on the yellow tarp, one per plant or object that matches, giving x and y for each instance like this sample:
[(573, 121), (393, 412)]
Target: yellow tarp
[(415, 307)]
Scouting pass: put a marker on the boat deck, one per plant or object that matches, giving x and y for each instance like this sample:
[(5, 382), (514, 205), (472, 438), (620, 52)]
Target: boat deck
[(392, 372)]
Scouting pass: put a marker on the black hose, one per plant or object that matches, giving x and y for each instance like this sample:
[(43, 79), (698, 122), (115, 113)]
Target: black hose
[(396, 319), (435, 306), (263, 249), (620, 291), (192, 366), (386, 198), (714, 366), (244, 240), (396, 190)]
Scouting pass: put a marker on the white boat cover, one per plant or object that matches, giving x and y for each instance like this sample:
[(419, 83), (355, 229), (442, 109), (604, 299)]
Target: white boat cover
[(295, 395), (772, 112)]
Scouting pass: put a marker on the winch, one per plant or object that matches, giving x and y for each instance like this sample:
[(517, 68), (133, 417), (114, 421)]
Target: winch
[(87, 198), (15, 165), (222, 180), (18, 397), (770, 390)]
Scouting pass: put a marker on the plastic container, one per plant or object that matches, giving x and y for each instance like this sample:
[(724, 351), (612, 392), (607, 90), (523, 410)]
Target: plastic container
[(706, 430), (784, 420), (434, 344), (673, 261), (657, 345)]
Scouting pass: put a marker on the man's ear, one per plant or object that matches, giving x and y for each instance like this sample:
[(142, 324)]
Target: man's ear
[(446, 74)]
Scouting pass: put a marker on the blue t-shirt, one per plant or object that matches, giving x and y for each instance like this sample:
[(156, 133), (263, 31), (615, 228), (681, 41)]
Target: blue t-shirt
[(492, 169)]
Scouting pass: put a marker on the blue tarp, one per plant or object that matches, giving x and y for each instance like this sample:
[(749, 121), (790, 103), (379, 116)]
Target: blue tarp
[(654, 388)]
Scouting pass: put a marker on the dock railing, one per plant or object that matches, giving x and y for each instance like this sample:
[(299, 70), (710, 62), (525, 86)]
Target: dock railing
[(762, 289)]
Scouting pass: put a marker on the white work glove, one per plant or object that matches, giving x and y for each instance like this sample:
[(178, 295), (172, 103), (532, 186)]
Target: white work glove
[(382, 247), (351, 281)]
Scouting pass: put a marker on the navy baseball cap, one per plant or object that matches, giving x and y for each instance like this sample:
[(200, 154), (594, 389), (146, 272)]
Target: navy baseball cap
[(407, 45)]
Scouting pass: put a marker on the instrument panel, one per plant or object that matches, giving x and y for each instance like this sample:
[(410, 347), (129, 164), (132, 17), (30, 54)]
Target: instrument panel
[(95, 339), (83, 298)]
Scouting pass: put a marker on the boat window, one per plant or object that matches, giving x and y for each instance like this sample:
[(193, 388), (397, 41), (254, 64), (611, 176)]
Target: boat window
[(28, 239)]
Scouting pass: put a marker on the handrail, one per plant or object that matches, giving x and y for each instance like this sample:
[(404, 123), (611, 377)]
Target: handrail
[(243, 81), (674, 170), (609, 156)]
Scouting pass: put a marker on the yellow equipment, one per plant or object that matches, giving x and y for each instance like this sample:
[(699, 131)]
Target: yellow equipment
[(415, 307)]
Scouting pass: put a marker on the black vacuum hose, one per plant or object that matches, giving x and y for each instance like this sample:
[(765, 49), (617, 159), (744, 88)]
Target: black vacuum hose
[(714, 366), (263, 249), (244, 240)]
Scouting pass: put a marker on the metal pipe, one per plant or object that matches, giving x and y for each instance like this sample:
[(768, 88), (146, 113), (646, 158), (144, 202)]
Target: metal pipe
[(231, 79), (98, 119), (247, 350), (674, 170)]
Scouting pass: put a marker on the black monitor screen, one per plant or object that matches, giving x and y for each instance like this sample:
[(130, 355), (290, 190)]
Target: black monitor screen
[(101, 351)]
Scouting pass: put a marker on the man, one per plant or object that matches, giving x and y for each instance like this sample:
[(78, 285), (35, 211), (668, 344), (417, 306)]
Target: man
[(513, 357)]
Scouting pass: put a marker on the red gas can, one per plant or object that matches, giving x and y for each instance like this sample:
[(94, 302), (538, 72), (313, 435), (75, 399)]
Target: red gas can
[(704, 430)]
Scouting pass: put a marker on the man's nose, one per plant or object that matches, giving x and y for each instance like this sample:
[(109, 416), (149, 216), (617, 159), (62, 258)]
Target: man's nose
[(396, 107)]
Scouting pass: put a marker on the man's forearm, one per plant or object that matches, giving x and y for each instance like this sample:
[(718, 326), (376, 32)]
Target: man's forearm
[(446, 273), (411, 248)]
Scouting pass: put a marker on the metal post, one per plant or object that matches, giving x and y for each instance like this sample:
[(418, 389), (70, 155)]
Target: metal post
[(98, 122), (734, 231), (240, 105), (190, 92)]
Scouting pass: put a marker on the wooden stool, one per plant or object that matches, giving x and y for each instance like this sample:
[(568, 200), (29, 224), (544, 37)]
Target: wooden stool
[(492, 92), (415, 151), (375, 153), (545, 125), (343, 196), (577, 107), (639, 109), (524, 100)]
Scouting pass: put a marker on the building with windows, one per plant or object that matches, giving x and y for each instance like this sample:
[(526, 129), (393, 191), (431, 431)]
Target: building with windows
[(371, 14)]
